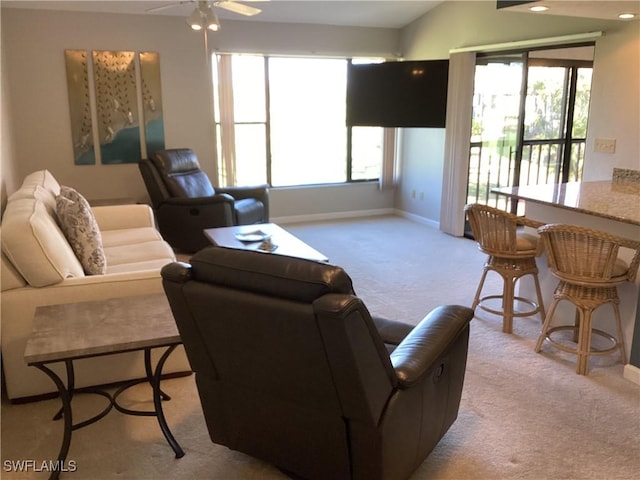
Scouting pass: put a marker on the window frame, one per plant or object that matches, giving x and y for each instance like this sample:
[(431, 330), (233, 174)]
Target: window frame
[(268, 161)]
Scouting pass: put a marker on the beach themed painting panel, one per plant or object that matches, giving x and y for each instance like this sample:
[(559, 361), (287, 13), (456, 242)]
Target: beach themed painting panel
[(152, 102), (117, 106), (79, 107)]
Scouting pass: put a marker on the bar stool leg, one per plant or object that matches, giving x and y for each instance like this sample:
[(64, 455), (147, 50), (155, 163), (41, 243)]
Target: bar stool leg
[(476, 300), (543, 315), (584, 341), (546, 324), (623, 353), (576, 323), (507, 304)]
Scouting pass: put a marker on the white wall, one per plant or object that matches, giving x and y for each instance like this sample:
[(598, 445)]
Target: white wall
[(34, 43), (35, 124), (295, 204), (614, 101), (420, 188), (614, 111), (7, 168)]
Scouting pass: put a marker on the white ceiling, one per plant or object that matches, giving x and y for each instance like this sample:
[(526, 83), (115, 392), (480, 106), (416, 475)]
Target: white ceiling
[(384, 14), (606, 10), (376, 13)]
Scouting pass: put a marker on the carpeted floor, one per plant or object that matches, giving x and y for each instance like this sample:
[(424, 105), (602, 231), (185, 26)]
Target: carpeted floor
[(523, 415)]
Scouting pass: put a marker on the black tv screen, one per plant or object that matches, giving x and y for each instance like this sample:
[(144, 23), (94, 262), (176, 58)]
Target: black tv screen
[(398, 94)]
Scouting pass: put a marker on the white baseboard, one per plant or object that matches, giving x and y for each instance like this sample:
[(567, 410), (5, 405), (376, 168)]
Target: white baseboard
[(318, 217), (632, 373), (418, 219)]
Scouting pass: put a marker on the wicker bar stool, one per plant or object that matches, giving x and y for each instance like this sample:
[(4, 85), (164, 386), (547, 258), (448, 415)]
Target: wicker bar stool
[(586, 263), (511, 254)]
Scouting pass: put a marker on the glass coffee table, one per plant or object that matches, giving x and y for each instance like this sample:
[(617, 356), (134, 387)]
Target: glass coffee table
[(263, 237)]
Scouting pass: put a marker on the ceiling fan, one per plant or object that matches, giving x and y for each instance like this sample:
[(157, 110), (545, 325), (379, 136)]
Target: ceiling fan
[(204, 15)]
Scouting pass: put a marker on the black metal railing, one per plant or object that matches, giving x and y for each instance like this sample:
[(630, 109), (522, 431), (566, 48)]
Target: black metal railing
[(493, 165)]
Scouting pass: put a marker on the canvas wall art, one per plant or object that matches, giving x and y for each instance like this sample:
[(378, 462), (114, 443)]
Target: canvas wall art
[(152, 101), (117, 106), (80, 107)]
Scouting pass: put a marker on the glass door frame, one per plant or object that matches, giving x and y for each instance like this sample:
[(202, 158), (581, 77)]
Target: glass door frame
[(565, 141)]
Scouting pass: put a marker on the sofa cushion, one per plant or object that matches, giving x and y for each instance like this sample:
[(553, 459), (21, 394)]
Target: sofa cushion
[(136, 267), (35, 245), (128, 236), (139, 252), (40, 185), (9, 276), (81, 230), (45, 179)]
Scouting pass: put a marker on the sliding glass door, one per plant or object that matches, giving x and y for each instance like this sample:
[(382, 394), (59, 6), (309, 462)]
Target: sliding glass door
[(495, 126), (529, 121)]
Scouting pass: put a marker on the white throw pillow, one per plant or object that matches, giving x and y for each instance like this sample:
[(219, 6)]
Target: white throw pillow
[(81, 229)]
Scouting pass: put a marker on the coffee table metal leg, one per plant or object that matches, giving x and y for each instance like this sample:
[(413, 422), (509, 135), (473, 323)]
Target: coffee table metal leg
[(65, 397), (157, 401), (66, 394), (149, 371), (69, 388)]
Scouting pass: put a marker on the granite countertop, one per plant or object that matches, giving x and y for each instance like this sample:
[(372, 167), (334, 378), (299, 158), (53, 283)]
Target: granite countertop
[(614, 200)]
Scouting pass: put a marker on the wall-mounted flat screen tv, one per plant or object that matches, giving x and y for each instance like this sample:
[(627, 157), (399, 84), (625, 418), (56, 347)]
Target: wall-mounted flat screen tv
[(398, 94)]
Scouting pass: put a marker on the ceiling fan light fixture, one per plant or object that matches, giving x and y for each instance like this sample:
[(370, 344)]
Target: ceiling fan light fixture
[(212, 21), (204, 16), (195, 19)]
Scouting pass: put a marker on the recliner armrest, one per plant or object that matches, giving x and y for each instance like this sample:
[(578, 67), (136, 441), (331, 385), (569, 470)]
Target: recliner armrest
[(182, 221), (259, 192), (199, 201), (413, 357)]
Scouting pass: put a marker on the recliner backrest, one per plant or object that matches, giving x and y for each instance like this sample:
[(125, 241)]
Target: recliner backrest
[(180, 171), (257, 318), (156, 188), (290, 367)]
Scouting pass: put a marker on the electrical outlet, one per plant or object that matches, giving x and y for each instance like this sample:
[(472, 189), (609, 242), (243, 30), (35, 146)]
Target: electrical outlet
[(421, 195), (605, 145), (413, 194)]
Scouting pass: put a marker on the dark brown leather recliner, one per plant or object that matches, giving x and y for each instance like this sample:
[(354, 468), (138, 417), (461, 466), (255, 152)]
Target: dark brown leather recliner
[(291, 368), (185, 202)]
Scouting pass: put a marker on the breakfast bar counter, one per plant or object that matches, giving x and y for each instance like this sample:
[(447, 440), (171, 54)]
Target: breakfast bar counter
[(617, 201), (610, 206)]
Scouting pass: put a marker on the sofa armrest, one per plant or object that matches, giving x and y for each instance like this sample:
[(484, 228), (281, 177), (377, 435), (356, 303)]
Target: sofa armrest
[(18, 308), (117, 217), (414, 356)]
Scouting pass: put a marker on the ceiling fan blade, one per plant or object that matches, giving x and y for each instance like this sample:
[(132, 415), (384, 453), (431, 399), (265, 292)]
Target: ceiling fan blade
[(168, 5), (237, 8)]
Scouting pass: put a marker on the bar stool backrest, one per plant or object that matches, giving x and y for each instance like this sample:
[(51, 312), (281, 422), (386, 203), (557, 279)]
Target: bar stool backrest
[(496, 230), (585, 256)]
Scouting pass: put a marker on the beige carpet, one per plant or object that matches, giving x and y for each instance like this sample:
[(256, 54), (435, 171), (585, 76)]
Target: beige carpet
[(523, 415)]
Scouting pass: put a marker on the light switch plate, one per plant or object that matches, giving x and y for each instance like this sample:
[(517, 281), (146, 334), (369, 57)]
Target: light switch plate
[(605, 145)]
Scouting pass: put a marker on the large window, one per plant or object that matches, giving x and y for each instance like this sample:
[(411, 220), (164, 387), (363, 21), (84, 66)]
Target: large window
[(282, 122), (530, 112)]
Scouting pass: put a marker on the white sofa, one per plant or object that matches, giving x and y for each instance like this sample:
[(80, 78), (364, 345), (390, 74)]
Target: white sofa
[(40, 268)]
